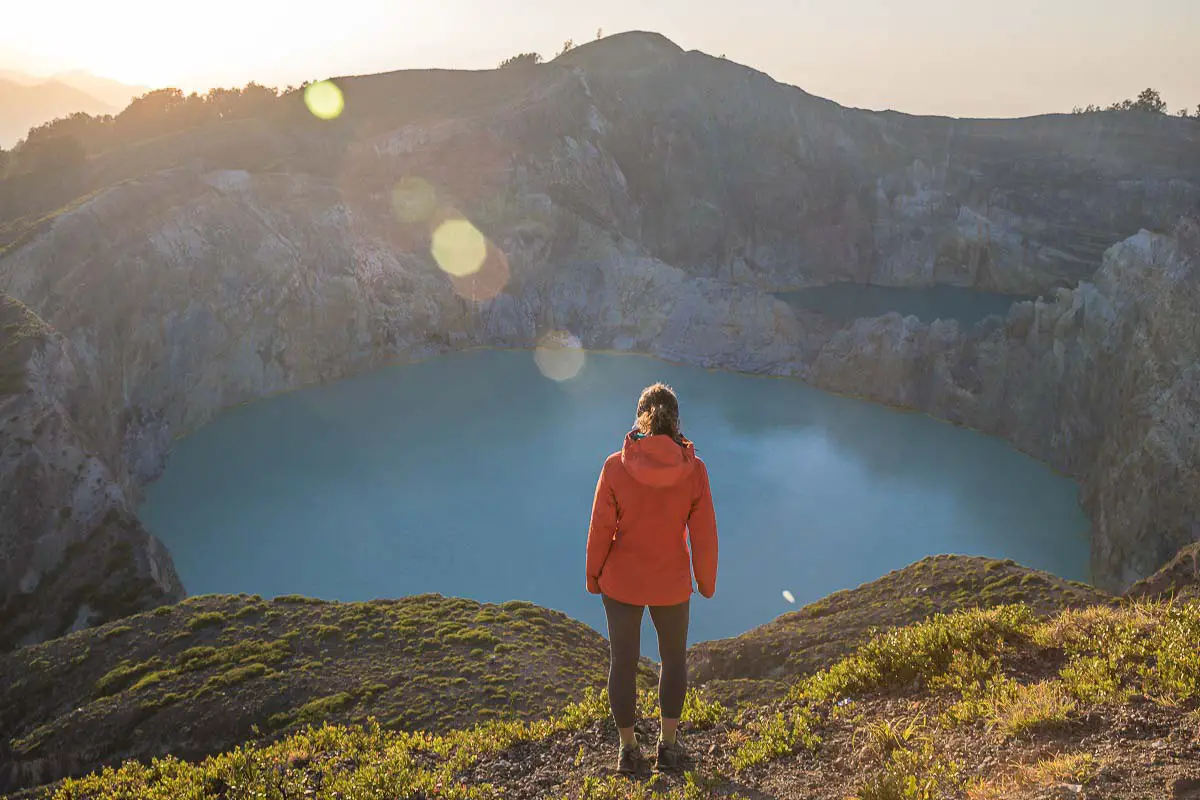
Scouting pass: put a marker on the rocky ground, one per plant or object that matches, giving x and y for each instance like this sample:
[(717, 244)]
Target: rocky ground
[(214, 671), (1099, 701), (205, 675), (1139, 750)]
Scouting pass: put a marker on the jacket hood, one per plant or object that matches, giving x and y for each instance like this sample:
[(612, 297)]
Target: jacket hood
[(657, 460)]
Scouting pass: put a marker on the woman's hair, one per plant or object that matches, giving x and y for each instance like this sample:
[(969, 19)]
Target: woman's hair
[(658, 412)]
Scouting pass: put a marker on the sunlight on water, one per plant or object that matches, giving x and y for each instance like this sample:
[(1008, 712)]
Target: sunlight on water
[(559, 356), (458, 247), (414, 200), (324, 99)]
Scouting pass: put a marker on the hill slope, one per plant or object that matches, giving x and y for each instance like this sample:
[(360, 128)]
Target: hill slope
[(794, 645), (979, 704), (215, 671)]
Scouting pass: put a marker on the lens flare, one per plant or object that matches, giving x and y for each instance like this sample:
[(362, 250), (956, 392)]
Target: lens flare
[(458, 247), (414, 200), (486, 282), (559, 356), (789, 596), (324, 99)]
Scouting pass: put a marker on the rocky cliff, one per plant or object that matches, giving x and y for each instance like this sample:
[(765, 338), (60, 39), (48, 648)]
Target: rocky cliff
[(641, 198), (1102, 381), (73, 552)]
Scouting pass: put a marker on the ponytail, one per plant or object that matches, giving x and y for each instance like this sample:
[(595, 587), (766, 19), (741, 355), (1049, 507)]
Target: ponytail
[(658, 412)]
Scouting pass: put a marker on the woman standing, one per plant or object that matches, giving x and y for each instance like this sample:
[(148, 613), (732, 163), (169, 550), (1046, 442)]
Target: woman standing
[(652, 496)]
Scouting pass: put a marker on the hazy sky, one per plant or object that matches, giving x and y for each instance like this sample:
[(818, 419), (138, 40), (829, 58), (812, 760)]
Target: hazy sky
[(923, 56)]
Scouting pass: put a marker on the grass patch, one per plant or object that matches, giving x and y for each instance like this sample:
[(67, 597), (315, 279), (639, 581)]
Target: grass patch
[(778, 735), (152, 678), (206, 619), (916, 655), (250, 651), (702, 712), (324, 631), (1147, 648), (909, 765), (1077, 768), (916, 773), (124, 675), (234, 676), (299, 599), (1031, 708)]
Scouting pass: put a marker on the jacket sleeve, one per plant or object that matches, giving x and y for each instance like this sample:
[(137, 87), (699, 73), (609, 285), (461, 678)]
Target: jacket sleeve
[(702, 530), (601, 531)]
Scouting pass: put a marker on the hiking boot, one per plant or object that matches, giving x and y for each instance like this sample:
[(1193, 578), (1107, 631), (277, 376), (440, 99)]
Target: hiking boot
[(630, 761), (670, 756)]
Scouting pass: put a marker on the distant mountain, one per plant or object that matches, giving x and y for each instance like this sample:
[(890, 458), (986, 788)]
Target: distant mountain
[(27, 100), (114, 93), (22, 107), (22, 78)]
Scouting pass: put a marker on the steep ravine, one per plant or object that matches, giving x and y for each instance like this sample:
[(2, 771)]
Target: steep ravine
[(641, 209)]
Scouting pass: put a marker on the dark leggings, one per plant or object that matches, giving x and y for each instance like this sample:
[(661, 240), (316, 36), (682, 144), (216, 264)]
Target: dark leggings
[(625, 647)]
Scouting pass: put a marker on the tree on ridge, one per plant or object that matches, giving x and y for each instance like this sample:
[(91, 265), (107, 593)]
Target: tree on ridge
[(521, 60)]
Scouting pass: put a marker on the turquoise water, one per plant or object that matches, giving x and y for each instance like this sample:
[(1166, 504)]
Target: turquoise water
[(847, 301), (473, 475)]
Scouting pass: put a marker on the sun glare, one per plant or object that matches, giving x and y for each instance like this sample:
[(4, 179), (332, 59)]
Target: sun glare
[(324, 99), (458, 247), (559, 356)]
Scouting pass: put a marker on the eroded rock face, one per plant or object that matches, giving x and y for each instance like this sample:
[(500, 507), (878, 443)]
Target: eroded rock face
[(1103, 382), (642, 206), (740, 176), (72, 552)]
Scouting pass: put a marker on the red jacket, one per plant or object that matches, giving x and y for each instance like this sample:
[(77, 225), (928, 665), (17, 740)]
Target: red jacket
[(651, 496)]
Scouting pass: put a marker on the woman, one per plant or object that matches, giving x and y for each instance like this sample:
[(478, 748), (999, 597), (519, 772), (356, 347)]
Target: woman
[(637, 556)]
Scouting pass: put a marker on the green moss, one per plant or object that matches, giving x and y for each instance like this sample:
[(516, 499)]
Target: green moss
[(152, 678), (207, 619), (324, 631), (233, 676), (299, 599), (124, 675), (314, 711), (472, 636)]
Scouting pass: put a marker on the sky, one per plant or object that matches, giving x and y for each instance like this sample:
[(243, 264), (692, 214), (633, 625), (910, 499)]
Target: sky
[(951, 57)]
